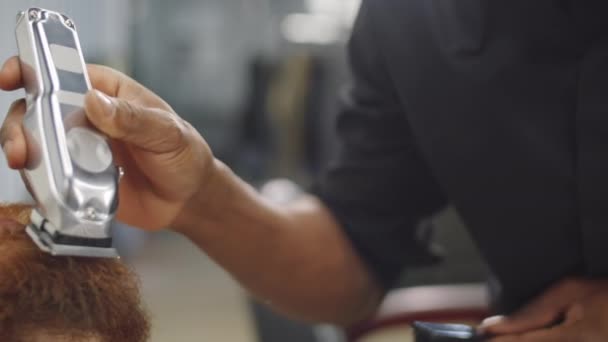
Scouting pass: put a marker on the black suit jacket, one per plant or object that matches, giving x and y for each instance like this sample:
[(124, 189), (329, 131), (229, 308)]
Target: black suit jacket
[(499, 108)]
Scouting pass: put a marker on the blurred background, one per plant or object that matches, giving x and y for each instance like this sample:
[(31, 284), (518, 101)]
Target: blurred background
[(260, 79)]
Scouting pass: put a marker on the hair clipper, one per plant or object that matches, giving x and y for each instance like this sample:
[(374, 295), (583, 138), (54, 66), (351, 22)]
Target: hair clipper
[(433, 332), (70, 169)]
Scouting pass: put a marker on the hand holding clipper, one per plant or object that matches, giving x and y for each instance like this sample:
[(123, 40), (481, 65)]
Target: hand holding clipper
[(70, 167)]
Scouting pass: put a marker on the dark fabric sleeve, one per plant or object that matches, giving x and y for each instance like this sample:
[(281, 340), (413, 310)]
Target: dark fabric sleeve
[(378, 187)]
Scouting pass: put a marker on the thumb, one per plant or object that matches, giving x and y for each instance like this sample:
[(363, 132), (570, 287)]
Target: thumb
[(530, 318), (151, 129)]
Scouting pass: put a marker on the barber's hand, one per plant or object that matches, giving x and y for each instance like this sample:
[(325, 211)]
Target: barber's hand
[(573, 310), (165, 160)]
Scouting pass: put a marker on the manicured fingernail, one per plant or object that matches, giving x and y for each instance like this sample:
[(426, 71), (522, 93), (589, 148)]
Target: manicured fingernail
[(105, 103)]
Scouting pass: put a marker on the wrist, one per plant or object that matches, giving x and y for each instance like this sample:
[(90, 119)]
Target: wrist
[(208, 201)]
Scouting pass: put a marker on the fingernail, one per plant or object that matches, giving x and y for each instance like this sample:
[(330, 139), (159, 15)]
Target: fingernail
[(8, 145), (3, 66), (105, 103), (489, 322)]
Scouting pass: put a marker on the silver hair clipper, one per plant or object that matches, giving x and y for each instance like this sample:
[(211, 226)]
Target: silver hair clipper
[(70, 169)]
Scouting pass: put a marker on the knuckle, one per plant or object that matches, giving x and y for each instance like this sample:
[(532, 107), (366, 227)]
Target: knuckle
[(569, 284), (577, 284), (98, 68), (127, 117), (178, 131)]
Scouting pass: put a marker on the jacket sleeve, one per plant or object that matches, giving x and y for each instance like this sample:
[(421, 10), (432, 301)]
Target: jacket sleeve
[(378, 187)]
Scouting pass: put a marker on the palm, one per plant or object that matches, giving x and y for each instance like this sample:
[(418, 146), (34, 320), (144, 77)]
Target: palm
[(142, 202)]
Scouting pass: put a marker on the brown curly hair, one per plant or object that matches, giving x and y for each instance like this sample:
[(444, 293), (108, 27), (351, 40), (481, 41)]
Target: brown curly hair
[(72, 298)]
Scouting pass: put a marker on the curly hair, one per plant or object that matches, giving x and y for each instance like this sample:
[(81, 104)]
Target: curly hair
[(74, 298)]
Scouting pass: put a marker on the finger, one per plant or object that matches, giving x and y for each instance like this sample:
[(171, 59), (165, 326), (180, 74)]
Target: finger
[(575, 314), (530, 318), (10, 75), (150, 129), (116, 84), (103, 78), (557, 334), (12, 137), (107, 80), (543, 312)]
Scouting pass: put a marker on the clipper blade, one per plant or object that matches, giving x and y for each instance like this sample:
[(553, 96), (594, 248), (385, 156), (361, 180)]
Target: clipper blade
[(60, 245)]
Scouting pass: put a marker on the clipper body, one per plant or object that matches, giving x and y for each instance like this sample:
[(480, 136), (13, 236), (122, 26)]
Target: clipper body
[(433, 332), (70, 169)]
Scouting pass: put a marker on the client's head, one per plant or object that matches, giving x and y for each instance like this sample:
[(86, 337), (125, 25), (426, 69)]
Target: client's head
[(45, 298)]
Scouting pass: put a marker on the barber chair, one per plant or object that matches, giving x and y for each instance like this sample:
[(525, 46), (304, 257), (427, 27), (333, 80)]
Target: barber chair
[(467, 304)]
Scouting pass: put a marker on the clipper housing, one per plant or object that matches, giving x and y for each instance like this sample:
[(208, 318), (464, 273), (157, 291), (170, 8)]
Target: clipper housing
[(70, 170)]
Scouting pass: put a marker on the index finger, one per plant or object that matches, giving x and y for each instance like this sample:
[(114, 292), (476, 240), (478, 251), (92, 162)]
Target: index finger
[(10, 75), (103, 78)]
